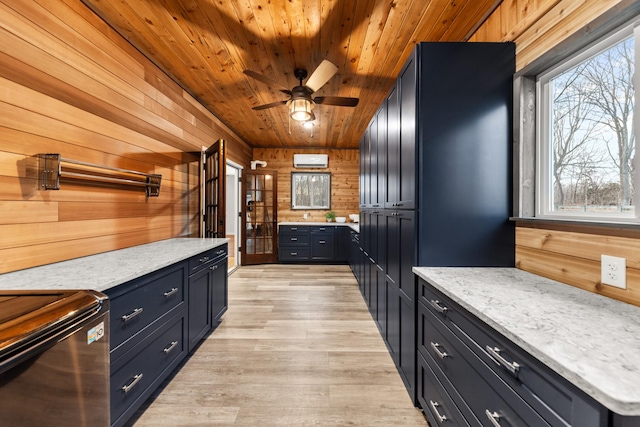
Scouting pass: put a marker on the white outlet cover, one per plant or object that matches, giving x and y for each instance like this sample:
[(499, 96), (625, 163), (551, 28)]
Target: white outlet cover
[(613, 271)]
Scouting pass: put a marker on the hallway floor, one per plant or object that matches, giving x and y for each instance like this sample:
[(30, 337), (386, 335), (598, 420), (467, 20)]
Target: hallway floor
[(297, 347)]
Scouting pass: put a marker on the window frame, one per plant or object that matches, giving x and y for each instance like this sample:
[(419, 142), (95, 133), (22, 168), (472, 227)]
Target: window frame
[(543, 194), (294, 206)]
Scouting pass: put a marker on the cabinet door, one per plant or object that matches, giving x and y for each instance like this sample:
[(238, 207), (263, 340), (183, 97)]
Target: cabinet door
[(322, 246), (392, 164), (219, 291), (342, 244), (373, 163), (365, 170), (199, 306), (407, 150), (381, 155)]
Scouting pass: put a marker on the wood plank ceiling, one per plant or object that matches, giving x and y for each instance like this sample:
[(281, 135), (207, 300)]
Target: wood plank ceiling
[(205, 45)]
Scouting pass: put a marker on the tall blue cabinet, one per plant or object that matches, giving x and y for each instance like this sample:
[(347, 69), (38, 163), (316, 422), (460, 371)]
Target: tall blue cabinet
[(435, 181)]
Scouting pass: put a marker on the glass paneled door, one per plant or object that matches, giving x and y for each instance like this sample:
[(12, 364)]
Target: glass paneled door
[(260, 230)]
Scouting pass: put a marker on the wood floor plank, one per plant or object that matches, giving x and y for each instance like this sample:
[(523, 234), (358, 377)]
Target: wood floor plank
[(297, 347)]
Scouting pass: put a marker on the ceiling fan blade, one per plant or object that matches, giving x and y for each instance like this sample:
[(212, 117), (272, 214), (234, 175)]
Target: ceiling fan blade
[(271, 105), (341, 101), (321, 75), (267, 80)]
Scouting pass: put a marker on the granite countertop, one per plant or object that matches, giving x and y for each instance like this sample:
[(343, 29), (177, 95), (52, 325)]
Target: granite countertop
[(353, 225), (590, 340), (103, 271)]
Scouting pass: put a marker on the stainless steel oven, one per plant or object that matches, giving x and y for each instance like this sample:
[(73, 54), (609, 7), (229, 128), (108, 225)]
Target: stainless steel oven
[(54, 359)]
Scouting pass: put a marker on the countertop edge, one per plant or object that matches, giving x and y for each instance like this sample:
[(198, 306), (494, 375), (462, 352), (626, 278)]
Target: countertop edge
[(107, 270)]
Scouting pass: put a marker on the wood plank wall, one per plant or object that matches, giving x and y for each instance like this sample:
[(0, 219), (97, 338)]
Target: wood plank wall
[(566, 253), (70, 84), (344, 168)]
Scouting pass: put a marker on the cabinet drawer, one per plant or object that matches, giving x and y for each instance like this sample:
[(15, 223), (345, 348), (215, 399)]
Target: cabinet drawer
[(551, 396), (323, 229), (293, 254), (149, 362), (288, 239), (149, 299), (482, 390), (212, 255), (294, 229), (434, 399), (322, 246)]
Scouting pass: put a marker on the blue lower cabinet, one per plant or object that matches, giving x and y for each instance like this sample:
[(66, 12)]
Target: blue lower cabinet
[(157, 320)]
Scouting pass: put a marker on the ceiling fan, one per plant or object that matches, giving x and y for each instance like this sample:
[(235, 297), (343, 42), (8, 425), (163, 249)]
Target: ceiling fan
[(300, 102)]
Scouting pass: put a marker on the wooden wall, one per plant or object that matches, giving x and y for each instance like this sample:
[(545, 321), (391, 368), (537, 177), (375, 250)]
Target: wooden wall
[(69, 84), (344, 168), (567, 253), (539, 25)]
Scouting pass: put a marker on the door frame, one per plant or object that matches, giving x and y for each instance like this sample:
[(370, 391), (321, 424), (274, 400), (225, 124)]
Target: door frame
[(238, 212)]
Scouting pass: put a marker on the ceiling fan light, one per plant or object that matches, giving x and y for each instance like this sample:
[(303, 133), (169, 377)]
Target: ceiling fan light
[(300, 109)]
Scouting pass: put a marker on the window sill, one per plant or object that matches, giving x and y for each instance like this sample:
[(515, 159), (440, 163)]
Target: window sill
[(609, 228)]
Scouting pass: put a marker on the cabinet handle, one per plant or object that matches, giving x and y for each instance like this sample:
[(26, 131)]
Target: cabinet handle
[(375, 206), (170, 347), (436, 347), (136, 380), (204, 259), (494, 353), (134, 313), (322, 242), (439, 308), (321, 229), (435, 405), (294, 228), (294, 239), (494, 417), (220, 252), (171, 292), (294, 253), (213, 268)]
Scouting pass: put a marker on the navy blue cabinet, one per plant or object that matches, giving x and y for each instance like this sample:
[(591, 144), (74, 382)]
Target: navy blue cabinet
[(472, 372), (440, 147), (313, 243), (156, 320)]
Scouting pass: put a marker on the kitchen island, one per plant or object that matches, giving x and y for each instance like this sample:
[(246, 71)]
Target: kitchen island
[(584, 347)]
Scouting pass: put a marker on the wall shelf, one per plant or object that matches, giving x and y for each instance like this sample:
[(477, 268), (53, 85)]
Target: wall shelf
[(51, 171)]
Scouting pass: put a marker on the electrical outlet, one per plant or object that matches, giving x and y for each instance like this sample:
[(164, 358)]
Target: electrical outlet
[(613, 271)]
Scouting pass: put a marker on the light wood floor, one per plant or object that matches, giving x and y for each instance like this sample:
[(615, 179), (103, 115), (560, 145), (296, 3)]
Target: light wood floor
[(297, 347)]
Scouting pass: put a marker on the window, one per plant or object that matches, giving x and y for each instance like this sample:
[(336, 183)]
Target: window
[(586, 133), (310, 190)]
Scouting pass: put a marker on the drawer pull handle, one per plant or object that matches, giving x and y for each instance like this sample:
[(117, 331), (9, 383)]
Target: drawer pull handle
[(136, 380), (435, 405), (494, 417), (439, 308), (321, 229), (213, 268), (436, 347), (294, 228), (322, 242), (134, 313), (171, 292), (294, 239), (512, 367), (294, 253), (204, 259), (170, 347), (220, 252)]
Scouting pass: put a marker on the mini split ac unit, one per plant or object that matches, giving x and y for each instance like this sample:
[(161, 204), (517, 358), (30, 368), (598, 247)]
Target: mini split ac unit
[(310, 160)]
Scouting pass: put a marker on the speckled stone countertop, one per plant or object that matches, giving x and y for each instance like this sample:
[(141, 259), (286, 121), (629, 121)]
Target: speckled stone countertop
[(591, 340), (352, 225), (106, 270)]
